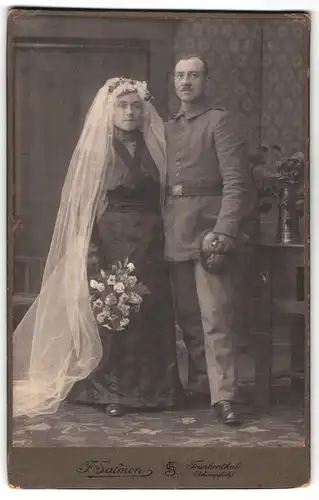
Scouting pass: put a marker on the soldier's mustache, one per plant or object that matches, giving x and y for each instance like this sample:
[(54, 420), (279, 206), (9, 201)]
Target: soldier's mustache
[(186, 87)]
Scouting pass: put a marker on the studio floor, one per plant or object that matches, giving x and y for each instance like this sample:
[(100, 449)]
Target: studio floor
[(77, 425)]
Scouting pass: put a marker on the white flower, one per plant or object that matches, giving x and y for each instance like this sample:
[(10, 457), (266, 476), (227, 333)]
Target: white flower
[(124, 322), (119, 287), (124, 309), (102, 273), (93, 284), (98, 303), (111, 280), (123, 298), (135, 298), (100, 287), (107, 311), (100, 317), (132, 280), (130, 266), (110, 299)]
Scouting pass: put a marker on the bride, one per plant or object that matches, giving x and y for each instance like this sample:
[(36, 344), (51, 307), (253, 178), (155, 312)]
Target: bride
[(110, 212)]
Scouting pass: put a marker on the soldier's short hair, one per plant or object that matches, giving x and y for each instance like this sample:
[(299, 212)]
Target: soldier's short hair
[(186, 56)]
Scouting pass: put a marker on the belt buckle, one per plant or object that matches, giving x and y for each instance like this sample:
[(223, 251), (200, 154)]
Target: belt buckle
[(177, 190)]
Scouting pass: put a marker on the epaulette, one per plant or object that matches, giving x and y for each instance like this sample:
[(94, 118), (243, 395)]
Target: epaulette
[(175, 116)]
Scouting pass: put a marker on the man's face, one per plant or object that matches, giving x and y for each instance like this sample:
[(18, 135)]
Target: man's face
[(190, 79), (128, 112)]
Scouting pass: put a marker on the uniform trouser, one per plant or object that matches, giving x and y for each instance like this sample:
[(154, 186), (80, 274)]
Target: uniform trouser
[(207, 310)]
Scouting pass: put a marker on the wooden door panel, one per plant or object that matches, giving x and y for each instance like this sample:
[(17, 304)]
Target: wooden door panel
[(53, 93), (58, 64)]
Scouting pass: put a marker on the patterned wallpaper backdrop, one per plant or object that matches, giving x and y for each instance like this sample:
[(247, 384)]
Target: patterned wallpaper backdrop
[(257, 71), (284, 84), (232, 49)]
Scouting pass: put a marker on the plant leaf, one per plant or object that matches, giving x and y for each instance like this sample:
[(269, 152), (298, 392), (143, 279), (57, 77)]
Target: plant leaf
[(141, 289), (263, 148)]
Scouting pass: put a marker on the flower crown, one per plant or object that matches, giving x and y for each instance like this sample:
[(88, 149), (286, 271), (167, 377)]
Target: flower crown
[(121, 85)]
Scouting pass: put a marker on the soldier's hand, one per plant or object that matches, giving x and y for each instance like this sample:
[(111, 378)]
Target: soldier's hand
[(215, 251), (222, 243)]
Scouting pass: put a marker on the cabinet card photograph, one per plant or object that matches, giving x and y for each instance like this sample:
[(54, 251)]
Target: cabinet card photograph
[(158, 268)]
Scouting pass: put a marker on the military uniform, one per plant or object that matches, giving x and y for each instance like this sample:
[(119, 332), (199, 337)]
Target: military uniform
[(209, 186)]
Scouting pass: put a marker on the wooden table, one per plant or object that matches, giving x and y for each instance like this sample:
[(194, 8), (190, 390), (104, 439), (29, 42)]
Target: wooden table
[(286, 261)]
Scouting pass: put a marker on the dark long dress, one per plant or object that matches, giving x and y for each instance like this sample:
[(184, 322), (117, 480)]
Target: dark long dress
[(139, 366)]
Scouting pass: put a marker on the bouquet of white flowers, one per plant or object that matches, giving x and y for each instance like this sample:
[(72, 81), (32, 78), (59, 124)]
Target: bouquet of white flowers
[(115, 295)]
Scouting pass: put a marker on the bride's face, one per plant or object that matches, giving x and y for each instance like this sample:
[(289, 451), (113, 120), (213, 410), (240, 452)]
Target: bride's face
[(128, 112)]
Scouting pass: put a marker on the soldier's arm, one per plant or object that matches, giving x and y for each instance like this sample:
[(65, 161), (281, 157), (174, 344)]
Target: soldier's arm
[(234, 169)]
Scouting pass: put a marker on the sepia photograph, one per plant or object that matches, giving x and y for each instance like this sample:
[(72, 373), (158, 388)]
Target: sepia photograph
[(158, 260)]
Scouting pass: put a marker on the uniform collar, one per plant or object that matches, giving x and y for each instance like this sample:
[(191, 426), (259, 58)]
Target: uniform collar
[(196, 109)]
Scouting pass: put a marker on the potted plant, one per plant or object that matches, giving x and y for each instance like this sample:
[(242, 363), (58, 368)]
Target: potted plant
[(280, 178)]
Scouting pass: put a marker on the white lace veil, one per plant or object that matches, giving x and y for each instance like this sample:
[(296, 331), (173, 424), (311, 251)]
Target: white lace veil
[(57, 342)]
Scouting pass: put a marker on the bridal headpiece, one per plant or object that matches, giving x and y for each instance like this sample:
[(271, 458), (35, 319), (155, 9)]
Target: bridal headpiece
[(122, 85)]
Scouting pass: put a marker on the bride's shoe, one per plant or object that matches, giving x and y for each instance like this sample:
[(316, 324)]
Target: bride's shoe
[(115, 410)]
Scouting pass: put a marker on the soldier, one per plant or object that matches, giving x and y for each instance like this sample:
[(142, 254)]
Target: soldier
[(209, 189)]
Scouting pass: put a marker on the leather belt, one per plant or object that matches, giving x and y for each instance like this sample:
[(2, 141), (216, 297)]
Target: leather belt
[(188, 190)]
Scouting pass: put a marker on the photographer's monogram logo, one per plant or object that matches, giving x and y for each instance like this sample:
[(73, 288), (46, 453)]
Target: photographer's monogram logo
[(170, 469)]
